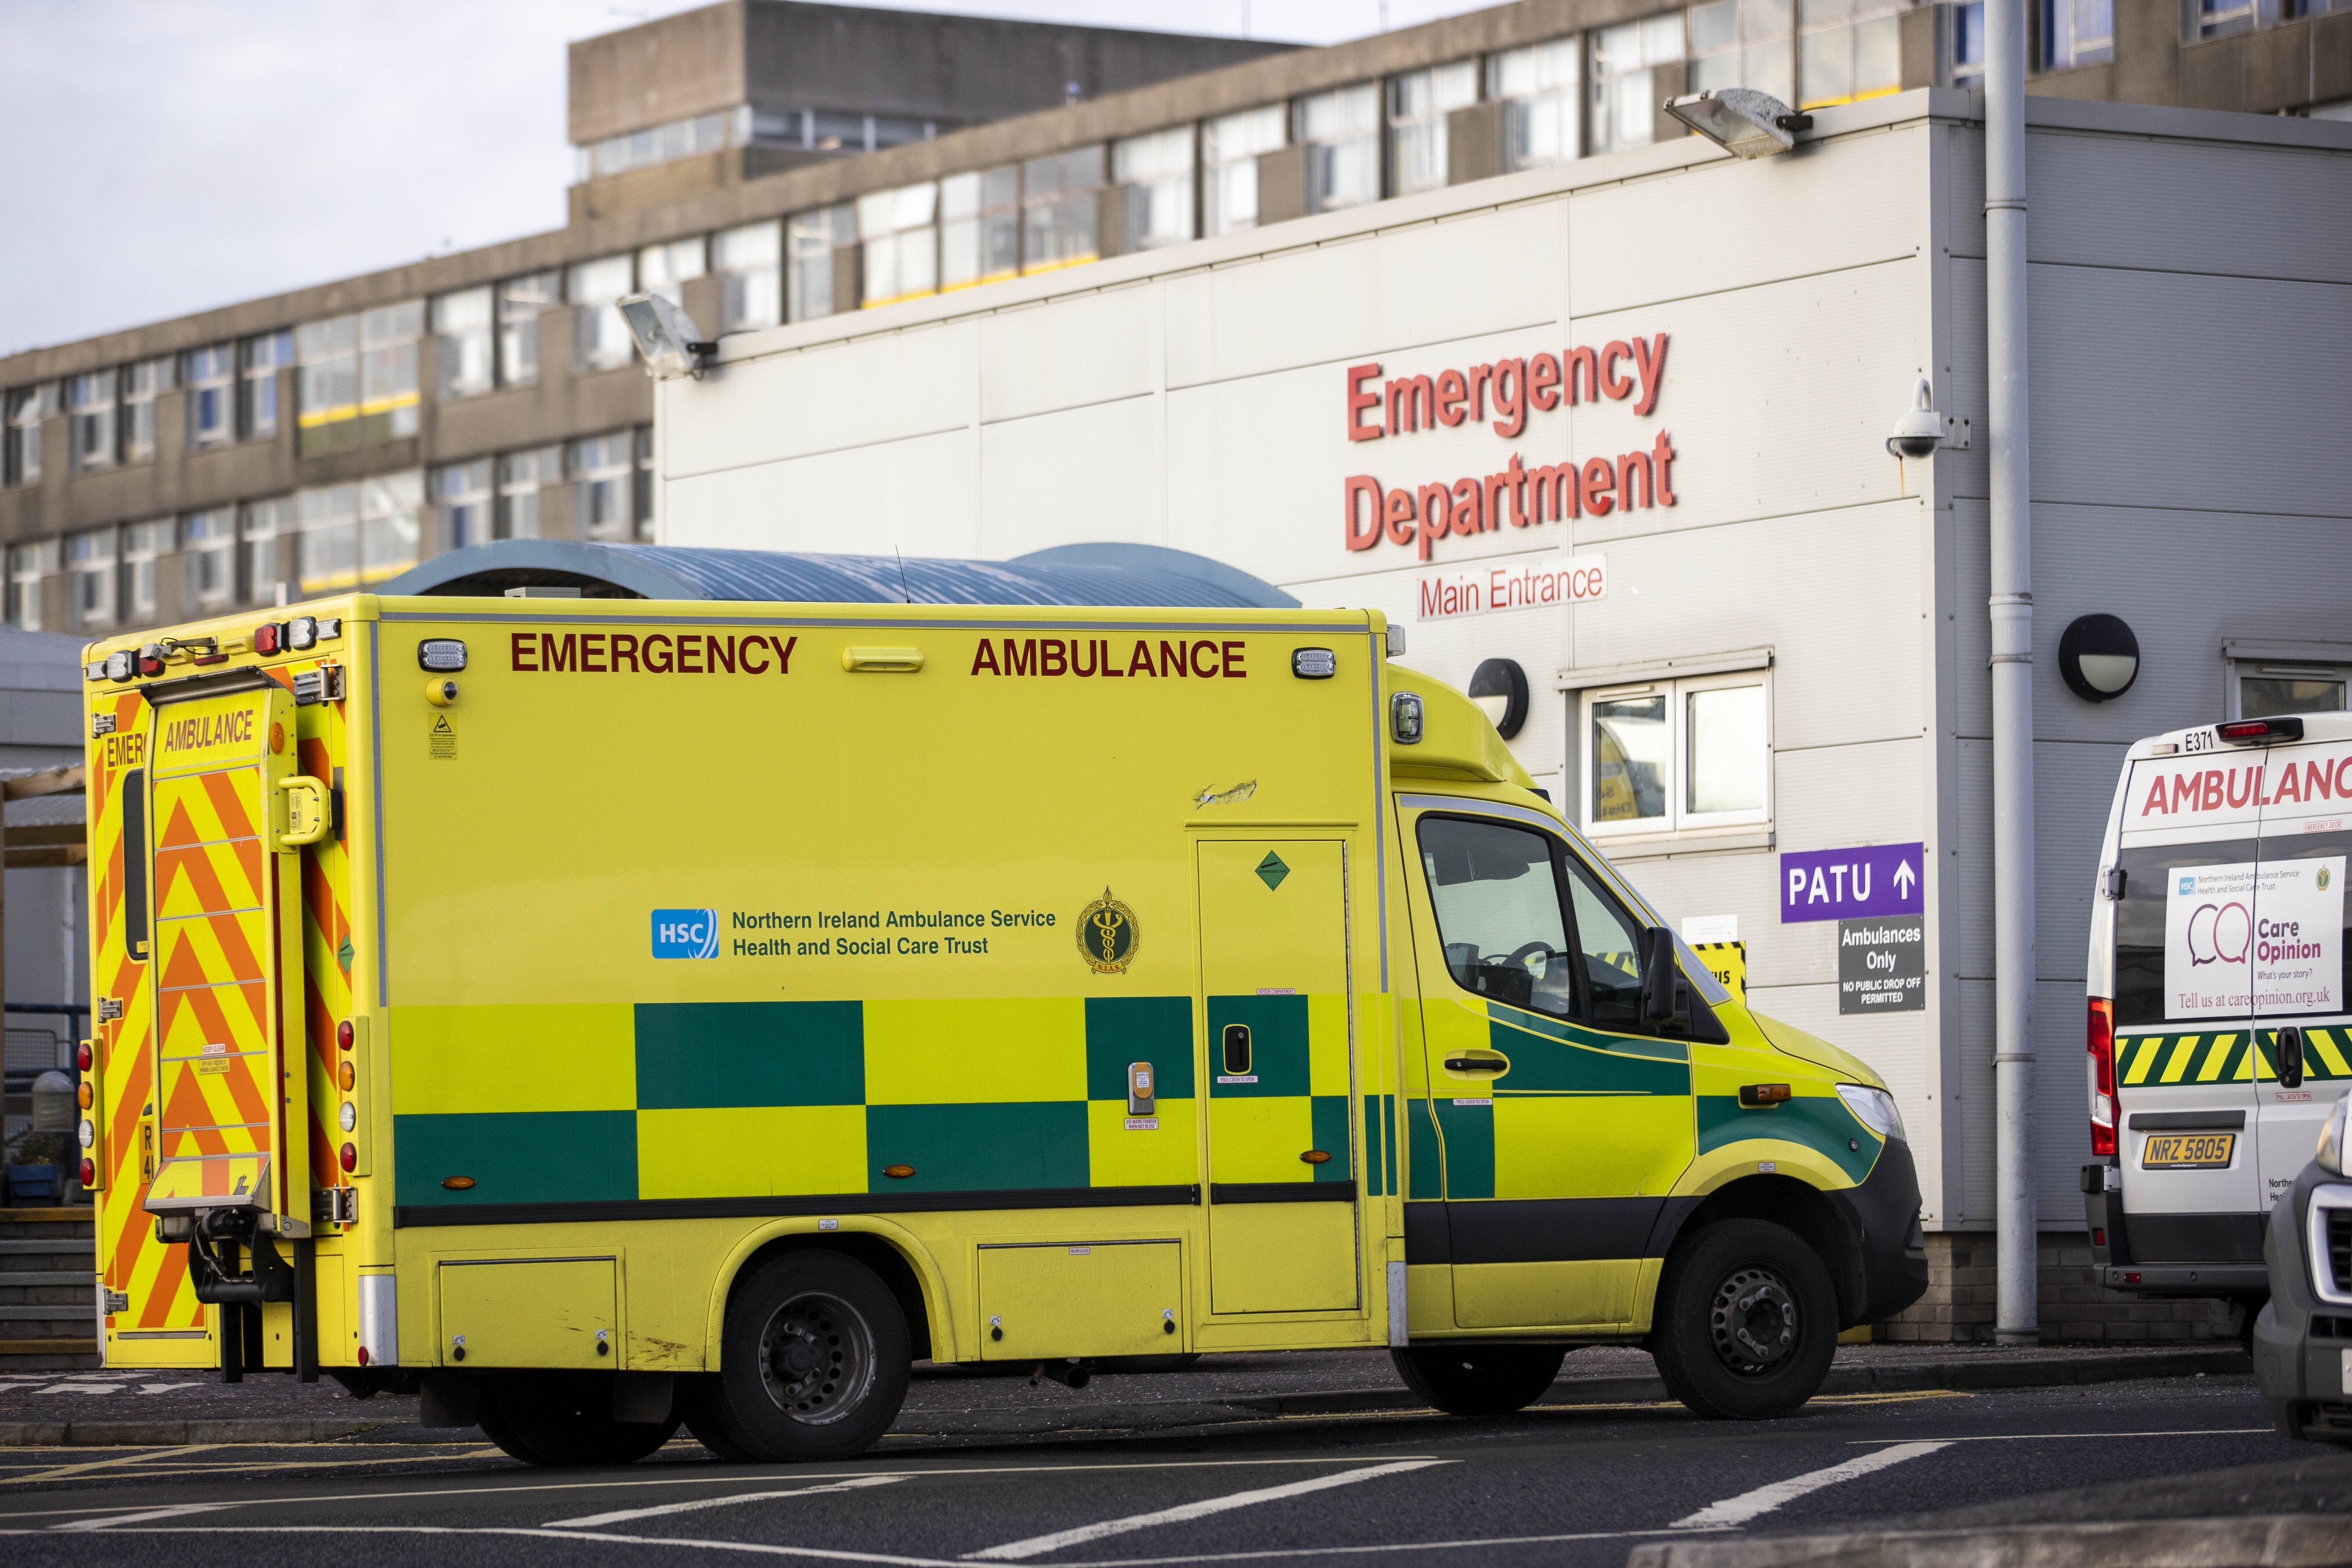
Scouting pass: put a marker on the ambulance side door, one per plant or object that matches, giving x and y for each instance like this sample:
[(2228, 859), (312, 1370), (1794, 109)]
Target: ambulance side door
[(2299, 941)]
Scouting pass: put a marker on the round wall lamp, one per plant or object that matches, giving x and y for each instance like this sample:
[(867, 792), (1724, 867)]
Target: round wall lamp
[(2099, 658), (1500, 686)]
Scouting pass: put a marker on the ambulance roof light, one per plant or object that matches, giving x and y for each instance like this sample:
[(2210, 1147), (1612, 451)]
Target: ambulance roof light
[(268, 637), (2246, 731)]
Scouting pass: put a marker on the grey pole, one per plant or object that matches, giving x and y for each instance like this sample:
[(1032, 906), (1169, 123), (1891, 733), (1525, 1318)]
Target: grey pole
[(2012, 608)]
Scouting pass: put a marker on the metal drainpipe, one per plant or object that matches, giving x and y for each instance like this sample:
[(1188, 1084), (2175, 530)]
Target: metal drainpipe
[(2012, 608)]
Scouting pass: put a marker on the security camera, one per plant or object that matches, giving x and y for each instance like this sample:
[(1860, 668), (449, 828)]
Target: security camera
[(1918, 433)]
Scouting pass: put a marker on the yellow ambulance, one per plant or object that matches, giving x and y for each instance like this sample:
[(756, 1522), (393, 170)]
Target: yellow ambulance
[(606, 1013)]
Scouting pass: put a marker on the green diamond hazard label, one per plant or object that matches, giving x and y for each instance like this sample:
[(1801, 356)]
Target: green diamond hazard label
[(1271, 870)]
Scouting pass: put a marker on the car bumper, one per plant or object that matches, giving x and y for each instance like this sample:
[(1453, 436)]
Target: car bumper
[(1884, 1214), (2302, 1345)]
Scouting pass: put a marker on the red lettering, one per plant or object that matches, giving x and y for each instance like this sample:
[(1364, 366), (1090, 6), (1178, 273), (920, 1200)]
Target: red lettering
[(1513, 409), (1554, 487), (1662, 452), (2184, 789), (1452, 392), (557, 655), (1107, 668), (2153, 804), (1412, 404), (2344, 779), (1175, 658), (1200, 660), (592, 649), (1614, 381), (1583, 367), (1140, 659), (1400, 509), (1498, 487), (689, 647), (2288, 788), (2318, 781), (1479, 373), (1650, 360), (784, 653), (624, 647), (1089, 647), (1436, 506), (721, 649), (2209, 795), (1543, 382), (985, 657), (1469, 507), (1519, 473), (1359, 401), (1632, 466), (522, 651), (1232, 656), (1021, 660), (1358, 487), (2239, 797), (758, 645), (1053, 657), (1599, 479)]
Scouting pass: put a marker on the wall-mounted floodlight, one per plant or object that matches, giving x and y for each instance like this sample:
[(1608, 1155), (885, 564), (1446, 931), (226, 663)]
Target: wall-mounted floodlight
[(1742, 121), (666, 335)]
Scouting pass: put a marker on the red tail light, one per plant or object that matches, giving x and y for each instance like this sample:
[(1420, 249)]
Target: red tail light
[(344, 1034), (89, 1173), (265, 638), (2103, 1075), (362, 1355), (83, 1056), (350, 1157)]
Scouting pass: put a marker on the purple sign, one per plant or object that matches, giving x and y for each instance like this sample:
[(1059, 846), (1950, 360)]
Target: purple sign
[(1843, 884)]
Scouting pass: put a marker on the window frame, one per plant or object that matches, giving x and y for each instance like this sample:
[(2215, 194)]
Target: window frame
[(1678, 819)]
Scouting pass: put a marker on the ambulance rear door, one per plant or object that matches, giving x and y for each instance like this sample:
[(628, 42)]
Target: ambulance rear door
[(2301, 1009), (2185, 1054)]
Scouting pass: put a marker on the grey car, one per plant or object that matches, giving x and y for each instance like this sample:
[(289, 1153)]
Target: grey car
[(2303, 1340)]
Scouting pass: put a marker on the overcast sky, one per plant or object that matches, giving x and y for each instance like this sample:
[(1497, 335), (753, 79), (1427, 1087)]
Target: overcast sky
[(166, 157)]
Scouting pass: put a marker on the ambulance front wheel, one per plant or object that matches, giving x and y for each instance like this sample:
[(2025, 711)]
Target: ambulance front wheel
[(1473, 1379), (1746, 1321), (814, 1365)]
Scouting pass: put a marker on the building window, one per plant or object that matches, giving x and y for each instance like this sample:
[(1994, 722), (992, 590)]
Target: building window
[(1624, 92), (645, 481), (522, 477), (980, 227), (461, 344), (1679, 755), (749, 262), (143, 543), (258, 362), (811, 242), (599, 338), (1968, 24), (1419, 103), (900, 233), (2271, 688), (1745, 43), (89, 577), (362, 533), (661, 145), (30, 567), (141, 384), (1850, 50), (663, 268), (208, 557), (388, 370), (605, 497), (1154, 174), (462, 504), (2214, 19), (266, 541), (1060, 226), (1540, 88), (1231, 146), (520, 299), (1341, 132), (2083, 31), (359, 377), (20, 459), (328, 354), (90, 400), (210, 376)]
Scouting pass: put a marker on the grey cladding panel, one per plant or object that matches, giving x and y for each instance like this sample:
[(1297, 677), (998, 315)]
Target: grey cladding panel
[(2269, 212)]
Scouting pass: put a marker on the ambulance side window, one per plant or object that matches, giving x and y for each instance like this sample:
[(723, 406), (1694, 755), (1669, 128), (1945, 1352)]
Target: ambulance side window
[(1609, 940), (2150, 884), (1496, 899)]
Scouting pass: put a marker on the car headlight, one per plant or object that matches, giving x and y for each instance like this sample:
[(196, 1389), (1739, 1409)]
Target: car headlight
[(1873, 1107), (2331, 1140)]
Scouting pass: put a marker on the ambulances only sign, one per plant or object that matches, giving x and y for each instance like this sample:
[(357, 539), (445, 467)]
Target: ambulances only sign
[(2252, 937)]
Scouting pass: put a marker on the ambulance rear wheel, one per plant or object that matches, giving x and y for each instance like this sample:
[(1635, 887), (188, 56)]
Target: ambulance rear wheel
[(560, 1418), (1473, 1379), (814, 1361), (1747, 1321)]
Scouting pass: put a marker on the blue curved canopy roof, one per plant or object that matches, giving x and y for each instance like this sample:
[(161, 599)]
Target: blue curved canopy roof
[(1132, 575)]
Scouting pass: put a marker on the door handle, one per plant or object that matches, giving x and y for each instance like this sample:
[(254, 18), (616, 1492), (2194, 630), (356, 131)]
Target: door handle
[(2290, 1058), (1484, 1062), (306, 814)]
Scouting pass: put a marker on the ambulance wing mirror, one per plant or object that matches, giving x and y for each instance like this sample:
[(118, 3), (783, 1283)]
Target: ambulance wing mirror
[(1658, 977)]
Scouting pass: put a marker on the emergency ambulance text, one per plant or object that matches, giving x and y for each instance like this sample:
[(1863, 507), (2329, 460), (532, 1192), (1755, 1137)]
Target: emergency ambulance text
[(655, 653), (1095, 656), (2238, 788), (209, 730)]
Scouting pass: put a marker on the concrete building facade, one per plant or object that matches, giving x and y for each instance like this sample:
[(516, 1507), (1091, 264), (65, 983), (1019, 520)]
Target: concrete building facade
[(770, 163)]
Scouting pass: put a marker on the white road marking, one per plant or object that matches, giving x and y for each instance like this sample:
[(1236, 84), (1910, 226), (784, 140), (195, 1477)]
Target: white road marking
[(1739, 1510), (2038, 1436), (627, 1514), (1037, 1545), (185, 1508)]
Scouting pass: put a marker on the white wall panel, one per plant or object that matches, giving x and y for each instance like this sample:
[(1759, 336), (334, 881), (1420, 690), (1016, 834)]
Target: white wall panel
[(1096, 348), (831, 398), (1483, 272), (1082, 476), (919, 495), (1729, 225), (2073, 786)]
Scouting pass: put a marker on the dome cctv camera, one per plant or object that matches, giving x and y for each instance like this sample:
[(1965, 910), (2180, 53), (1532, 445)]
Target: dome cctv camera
[(1918, 433)]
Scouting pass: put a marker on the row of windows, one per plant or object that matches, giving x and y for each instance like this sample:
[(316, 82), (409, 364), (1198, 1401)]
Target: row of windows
[(796, 129), (331, 538)]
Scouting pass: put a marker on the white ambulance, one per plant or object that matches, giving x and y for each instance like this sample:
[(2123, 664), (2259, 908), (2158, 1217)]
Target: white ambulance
[(2219, 1038)]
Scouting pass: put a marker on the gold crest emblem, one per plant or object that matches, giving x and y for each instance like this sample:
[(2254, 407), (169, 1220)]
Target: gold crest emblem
[(1108, 935)]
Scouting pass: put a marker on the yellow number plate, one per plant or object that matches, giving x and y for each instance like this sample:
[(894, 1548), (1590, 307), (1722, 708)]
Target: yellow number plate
[(2189, 1151)]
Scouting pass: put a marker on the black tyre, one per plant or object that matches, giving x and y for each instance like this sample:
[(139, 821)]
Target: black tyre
[(695, 1398), (565, 1419), (814, 1365), (1473, 1379), (1746, 1321)]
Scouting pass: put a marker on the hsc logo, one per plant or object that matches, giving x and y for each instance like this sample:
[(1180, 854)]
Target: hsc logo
[(686, 933)]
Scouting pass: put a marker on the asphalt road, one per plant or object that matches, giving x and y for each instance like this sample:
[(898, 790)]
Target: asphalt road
[(1575, 1485)]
